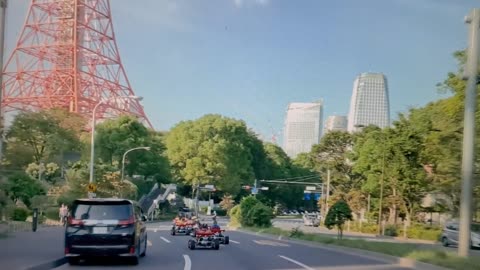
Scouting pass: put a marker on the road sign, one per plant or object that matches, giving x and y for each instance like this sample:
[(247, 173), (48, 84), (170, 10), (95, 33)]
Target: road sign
[(306, 196), (307, 191), (209, 186), (264, 188), (92, 188), (92, 195), (317, 196), (310, 188), (254, 190)]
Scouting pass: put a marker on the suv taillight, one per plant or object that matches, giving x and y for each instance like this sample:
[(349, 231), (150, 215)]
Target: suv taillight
[(75, 222), (126, 222)]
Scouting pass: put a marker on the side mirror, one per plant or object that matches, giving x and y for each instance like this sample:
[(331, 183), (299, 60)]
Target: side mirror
[(144, 218)]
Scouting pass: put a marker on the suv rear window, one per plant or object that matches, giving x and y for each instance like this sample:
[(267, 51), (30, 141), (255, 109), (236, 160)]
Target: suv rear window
[(103, 211)]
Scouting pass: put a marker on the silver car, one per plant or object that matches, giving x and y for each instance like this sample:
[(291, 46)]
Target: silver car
[(310, 219), (450, 234)]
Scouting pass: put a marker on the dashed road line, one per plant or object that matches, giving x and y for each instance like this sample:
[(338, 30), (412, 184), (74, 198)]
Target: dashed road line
[(296, 262), (233, 241), (188, 262), (270, 243), (149, 243), (164, 239)]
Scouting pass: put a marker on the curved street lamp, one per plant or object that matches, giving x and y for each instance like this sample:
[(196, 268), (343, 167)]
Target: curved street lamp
[(147, 148), (92, 140)]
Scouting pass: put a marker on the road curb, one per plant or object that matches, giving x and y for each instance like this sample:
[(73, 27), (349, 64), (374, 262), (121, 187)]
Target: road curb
[(48, 265), (402, 262)]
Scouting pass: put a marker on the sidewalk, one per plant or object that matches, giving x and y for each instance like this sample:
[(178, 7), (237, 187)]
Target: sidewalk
[(23, 250)]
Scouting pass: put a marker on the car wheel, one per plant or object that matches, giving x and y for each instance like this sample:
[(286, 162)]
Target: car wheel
[(134, 260), (191, 244), (172, 232), (144, 249), (216, 244), (445, 241), (73, 261), (227, 240)]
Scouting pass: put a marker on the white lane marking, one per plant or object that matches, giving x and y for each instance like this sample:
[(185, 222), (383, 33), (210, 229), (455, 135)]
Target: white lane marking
[(296, 262), (164, 239), (188, 262), (149, 243), (155, 230), (270, 243), (233, 241)]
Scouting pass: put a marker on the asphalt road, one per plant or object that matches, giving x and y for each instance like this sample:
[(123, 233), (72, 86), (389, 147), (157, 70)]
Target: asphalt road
[(246, 251), (26, 249)]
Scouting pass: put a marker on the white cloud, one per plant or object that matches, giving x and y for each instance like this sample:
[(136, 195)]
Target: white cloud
[(164, 13), (241, 3)]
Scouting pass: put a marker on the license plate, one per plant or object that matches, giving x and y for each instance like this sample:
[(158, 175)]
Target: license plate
[(100, 230)]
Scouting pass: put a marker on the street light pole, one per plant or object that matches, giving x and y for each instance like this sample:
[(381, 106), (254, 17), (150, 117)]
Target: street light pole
[(128, 151), (468, 158), (92, 139)]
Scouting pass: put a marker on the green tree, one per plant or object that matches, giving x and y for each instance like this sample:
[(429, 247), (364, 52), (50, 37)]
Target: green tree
[(337, 215), (115, 137), (211, 150), (38, 136), (22, 187)]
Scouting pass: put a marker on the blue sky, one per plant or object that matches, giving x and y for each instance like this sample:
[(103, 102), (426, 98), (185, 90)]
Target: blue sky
[(249, 58)]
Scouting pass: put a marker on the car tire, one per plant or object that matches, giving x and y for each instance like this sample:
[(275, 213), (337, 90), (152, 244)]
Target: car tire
[(73, 261), (144, 249), (172, 232), (445, 241), (227, 240), (191, 244), (216, 244), (134, 261)]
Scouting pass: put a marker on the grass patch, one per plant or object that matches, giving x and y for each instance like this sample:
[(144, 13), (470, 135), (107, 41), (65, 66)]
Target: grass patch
[(167, 217), (445, 259), (407, 250)]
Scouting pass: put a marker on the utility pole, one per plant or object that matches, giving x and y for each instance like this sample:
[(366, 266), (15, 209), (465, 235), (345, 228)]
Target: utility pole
[(327, 196), (471, 74), (3, 11)]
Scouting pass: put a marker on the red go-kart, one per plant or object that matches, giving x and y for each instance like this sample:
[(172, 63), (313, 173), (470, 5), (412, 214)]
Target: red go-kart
[(181, 227), (224, 239), (205, 238)]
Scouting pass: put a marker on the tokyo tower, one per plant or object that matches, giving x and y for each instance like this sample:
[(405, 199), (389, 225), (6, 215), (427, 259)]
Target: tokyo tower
[(66, 57)]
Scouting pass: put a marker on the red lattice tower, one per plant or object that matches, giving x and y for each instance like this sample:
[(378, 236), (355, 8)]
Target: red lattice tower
[(67, 57)]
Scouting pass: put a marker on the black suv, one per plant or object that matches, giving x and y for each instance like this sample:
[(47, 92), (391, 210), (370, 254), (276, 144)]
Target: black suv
[(105, 227)]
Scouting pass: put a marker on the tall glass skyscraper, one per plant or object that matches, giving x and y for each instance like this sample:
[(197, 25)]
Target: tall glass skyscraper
[(370, 103), (336, 123), (303, 127)]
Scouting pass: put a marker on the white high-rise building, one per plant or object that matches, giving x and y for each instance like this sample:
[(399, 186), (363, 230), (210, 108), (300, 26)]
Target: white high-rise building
[(370, 103), (303, 127), (336, 123)]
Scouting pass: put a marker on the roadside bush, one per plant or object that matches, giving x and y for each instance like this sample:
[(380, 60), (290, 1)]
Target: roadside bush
[(391, 230), (296, 233), (235, 216), (423, 232), (220, 212), (52, 213), (246, 205), (19, 214), (260, 215)]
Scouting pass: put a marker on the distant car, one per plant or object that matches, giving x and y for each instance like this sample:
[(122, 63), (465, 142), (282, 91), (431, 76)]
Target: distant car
[(105, 227), (450, 234), (310, 219)]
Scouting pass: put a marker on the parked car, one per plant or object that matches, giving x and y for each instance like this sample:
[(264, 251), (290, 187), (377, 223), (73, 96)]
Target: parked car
[(105, 227), (450, 234), (311, 219)]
